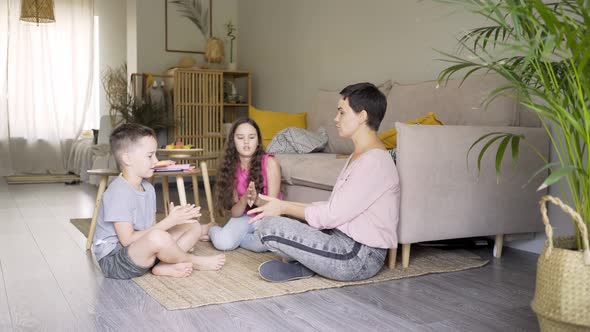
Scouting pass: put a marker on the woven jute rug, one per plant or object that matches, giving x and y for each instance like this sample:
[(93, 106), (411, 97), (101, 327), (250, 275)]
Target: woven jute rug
[(83, 224), (238, 280)]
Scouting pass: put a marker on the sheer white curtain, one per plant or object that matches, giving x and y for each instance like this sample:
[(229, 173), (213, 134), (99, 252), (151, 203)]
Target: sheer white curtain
[(45, 86)]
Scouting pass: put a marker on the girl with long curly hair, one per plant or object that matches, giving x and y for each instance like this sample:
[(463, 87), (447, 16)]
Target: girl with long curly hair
[(244, 172)]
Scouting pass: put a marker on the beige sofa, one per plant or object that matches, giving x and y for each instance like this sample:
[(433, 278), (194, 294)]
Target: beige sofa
[(441, 197)]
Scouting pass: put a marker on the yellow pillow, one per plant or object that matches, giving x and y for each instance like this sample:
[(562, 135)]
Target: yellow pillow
[(271, 123), (389, 137)]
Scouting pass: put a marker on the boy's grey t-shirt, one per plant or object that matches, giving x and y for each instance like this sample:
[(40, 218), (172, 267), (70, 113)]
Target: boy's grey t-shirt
[(121, 202)]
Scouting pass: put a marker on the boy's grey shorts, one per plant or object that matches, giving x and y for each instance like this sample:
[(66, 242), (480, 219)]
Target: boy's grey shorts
[(118, 265)]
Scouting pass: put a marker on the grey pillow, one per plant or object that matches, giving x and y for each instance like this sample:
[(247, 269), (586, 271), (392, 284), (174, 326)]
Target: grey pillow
[(393, 154), (298, 140)]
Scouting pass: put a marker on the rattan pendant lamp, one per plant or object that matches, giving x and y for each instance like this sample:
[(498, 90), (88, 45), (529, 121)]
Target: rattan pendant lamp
[(37, 11)]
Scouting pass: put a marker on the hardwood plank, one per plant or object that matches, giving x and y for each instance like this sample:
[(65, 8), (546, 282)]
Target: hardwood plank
[(74, 272), (6, 201), (5, 320), (87, 292), (522, 319), (70, 290), (34, 212), (409, 306), (34, 297), (323, 310), (9, 214), (13, 226)]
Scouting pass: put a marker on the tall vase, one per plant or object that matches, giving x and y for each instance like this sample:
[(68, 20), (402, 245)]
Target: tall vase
[(215, 50)]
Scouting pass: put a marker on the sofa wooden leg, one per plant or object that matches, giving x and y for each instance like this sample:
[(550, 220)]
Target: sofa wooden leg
[(498, 245), (390, 259), (406, 255)]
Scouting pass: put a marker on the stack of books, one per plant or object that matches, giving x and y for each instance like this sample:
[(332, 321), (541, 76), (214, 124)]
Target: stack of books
[(175, 168)]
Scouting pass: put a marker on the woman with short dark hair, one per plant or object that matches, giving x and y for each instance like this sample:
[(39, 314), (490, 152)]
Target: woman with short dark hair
[(345, 238)]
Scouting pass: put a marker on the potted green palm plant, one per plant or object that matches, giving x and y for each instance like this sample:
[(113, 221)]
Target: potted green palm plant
[(542, 50)]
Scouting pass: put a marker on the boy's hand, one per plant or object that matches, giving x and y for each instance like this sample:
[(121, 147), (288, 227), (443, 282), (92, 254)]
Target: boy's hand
[(251, 194), (184, 214)]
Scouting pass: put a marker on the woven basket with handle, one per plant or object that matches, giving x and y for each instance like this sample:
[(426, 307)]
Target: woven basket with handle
[(562, 294)]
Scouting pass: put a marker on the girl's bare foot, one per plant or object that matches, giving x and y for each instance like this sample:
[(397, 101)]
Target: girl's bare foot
[(205, 231), (178, 270), (209, 263)]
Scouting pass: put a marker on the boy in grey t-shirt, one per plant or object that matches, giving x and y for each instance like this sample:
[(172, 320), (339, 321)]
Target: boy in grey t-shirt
[(128, 242)]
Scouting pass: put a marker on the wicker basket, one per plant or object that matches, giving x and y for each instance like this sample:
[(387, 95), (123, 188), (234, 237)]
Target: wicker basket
[(562, 294)]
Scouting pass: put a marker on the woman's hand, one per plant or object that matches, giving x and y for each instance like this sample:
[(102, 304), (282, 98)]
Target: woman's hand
[(272, 207)]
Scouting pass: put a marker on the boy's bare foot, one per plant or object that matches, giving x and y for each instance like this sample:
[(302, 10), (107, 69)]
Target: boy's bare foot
[(178, 270), (209, 263)]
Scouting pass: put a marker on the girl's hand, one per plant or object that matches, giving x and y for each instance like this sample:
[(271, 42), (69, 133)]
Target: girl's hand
[(251, 194), (184, 214), (272, 207), (164, 163)]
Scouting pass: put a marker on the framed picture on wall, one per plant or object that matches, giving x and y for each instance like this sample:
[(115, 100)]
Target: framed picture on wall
[(188, 25)]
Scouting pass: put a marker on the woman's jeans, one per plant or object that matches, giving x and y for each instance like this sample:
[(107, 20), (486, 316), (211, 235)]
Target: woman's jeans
[(329, 252), (237, 233)]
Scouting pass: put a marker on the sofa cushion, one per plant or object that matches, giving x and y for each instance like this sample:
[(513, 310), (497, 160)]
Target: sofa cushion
[(298, 140), (465, 104), (389, 137), (316, 170), (453, 104), (271, 123), (324, 106)]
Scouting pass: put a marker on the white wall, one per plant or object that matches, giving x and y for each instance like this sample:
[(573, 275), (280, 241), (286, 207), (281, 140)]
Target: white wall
[(151, 46), (294, 48), (112, 39), (131, 33)]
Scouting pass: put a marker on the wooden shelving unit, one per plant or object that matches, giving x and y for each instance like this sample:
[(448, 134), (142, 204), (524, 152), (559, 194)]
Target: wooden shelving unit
[(201, 106)]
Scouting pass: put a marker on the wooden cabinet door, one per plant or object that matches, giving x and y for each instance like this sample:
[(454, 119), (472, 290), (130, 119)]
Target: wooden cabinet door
[(198, 110)]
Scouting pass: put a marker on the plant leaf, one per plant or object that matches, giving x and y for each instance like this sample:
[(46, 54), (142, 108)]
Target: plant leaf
[(515, 147), (555, 176), (500, 154), (485, 148), (477, 141)]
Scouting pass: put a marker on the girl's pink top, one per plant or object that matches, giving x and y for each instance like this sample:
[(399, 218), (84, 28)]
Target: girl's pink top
[(242, 180)]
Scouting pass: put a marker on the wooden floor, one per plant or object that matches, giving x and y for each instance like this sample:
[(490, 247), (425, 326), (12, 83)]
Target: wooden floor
[(49, 282)]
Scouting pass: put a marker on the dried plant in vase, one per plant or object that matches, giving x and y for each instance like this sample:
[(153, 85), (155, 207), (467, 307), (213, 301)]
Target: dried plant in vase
[(114, 82), (124, 107)]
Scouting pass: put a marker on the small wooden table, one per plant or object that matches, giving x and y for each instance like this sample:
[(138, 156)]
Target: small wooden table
[(180, 183), (106, 173)]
